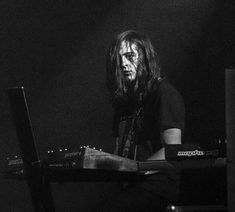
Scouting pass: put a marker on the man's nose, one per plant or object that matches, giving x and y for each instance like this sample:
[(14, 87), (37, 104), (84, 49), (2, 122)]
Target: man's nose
[(124, 62)]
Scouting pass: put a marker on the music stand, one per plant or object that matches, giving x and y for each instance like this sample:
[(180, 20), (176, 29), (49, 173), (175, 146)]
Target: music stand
[(39, 189)]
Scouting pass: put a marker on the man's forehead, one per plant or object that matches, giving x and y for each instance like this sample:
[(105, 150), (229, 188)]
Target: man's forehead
[(127, 47)]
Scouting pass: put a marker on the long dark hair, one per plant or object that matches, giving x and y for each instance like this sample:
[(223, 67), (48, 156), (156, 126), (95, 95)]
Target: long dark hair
[(147, 72)]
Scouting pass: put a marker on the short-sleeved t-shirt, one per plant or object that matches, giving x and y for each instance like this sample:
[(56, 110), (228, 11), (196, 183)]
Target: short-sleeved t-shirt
[(161, 109)]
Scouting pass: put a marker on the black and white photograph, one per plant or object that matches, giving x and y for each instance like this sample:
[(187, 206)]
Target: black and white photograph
[(117, 106)]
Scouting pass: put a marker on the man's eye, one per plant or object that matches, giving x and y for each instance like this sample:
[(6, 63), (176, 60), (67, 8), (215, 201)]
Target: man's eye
[(130, 56)]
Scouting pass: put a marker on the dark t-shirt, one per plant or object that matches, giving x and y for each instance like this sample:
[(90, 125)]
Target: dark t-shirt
[(160, 109), (143, 121)]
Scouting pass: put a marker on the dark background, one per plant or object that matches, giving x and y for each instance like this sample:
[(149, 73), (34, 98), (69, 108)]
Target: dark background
[(56, 50)]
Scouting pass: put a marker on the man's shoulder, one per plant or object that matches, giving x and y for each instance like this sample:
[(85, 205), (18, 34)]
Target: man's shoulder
[(165, 92), (163, 85)]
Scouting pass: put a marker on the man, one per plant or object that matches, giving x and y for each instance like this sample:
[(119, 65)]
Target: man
[(149, 114)]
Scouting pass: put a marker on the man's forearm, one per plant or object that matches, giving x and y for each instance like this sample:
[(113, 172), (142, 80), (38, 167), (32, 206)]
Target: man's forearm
[(169, 136), (159, 155)]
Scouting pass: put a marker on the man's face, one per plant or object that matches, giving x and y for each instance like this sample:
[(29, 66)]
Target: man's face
[(129, 58)]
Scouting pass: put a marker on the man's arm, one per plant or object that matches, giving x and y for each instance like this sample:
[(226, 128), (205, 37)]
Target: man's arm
[(169, 136)]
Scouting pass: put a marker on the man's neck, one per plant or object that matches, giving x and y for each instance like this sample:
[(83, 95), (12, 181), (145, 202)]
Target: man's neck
[(132, 86)]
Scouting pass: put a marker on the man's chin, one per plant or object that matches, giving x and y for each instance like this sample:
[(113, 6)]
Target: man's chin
[(130, 81), (130, 78)]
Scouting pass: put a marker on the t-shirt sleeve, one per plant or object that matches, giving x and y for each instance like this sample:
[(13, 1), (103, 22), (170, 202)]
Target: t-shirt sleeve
[(171, 110)]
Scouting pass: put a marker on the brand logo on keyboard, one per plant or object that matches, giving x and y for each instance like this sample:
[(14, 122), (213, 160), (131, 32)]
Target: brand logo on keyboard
[(198, 153)]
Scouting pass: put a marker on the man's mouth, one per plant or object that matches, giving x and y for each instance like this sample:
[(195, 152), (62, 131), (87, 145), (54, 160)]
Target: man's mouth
[(127, 73)]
